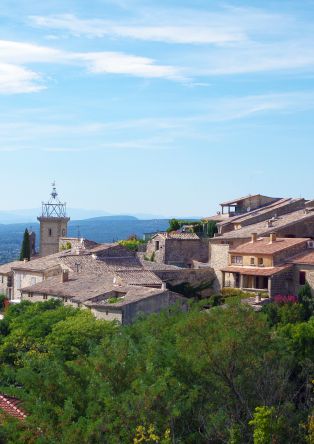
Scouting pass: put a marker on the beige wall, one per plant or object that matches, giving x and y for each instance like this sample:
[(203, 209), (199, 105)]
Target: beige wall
[(106, 314), (246, 260), (49, 244)]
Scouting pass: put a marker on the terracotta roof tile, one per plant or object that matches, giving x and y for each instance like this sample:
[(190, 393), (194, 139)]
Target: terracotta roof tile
[(263, 246), (256, 271), (306, 258), (11, 406)]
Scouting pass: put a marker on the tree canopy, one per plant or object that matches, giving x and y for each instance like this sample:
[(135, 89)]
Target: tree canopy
[(227, 375)]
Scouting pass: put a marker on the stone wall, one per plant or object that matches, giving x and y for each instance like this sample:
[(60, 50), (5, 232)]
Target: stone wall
[(219, 260), (153, 304), (309, 276), (106, 314), (51, 229), (282, 283), (282, 256)]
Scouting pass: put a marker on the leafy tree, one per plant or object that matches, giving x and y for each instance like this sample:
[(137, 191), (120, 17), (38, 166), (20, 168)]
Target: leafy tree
[(174, 225), (25, 248), (306, 299), (212, 228)]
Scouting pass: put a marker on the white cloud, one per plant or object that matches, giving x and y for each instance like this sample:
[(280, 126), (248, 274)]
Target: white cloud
[(16, 79), (171, 33), (119, 63)]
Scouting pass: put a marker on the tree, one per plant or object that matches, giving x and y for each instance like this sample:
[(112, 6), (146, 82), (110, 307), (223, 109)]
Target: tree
[(25, 249), (211, 228), (306, 299), (174, 225)]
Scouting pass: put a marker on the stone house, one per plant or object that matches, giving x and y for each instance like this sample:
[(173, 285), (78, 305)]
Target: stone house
[(297, 224), (179, 249), (247, 203), (262, 265), (103, 297), (7, 278)]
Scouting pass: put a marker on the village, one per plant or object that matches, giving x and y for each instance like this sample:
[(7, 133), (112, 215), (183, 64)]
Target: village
[(262, 246)]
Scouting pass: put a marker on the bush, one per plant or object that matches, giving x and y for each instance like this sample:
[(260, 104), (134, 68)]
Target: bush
[(236, 293)]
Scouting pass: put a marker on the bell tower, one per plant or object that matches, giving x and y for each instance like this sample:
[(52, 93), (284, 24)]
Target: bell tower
[(53, 224)]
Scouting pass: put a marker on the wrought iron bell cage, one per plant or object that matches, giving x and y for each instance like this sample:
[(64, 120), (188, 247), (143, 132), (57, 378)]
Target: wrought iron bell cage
[(54, 208)]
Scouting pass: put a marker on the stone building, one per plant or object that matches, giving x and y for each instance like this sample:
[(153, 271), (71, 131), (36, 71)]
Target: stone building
[(294, 224), (263, 264), (245, 204), (177, 248), (7, 278), (105, 299), (53, 224)]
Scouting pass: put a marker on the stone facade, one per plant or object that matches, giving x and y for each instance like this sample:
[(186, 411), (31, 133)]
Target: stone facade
[(51, 230), (178, 251), (27, 278)]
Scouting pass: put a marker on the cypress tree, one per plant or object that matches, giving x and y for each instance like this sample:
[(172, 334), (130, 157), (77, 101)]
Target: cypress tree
[(25, 249)]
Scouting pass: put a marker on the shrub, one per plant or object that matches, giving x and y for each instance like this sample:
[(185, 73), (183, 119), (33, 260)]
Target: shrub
[(283, 299)]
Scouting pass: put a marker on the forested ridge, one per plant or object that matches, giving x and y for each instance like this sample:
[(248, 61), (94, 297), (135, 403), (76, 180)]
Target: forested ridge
[(227, 375)]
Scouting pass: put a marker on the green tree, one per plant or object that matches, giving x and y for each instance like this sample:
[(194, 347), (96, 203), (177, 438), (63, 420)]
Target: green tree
[(306, 299), (25, 248), (174, 225)]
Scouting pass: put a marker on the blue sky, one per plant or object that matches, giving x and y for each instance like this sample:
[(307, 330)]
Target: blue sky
[(155, 107)]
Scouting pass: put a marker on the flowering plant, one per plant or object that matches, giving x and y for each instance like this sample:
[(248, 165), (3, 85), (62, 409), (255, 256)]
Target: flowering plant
[(282, 299)]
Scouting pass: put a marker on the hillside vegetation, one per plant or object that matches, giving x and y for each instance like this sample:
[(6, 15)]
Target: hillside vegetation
[(227, 375)]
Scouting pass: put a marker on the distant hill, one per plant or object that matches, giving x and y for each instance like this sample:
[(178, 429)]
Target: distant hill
[(108, 218)]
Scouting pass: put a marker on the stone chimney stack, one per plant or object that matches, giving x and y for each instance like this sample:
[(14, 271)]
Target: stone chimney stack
[(272, 238), (253, 238), (64, 276)]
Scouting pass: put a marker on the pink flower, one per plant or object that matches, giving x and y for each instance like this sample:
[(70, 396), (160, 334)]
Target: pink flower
[(282, 299)]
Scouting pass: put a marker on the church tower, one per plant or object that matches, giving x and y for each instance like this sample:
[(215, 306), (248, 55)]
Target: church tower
[(53, 224)]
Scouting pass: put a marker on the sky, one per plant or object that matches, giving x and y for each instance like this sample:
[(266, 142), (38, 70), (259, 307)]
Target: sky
[(162, 107)]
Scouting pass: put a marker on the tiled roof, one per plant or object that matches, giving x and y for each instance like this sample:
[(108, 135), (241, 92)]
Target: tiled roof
[(11, 406), (256, 271), (80, 286), (40, 264), (263, 246), (235, 201), (264, 210), (155, 266), (263, 229), (131, 295), (306, 258), (139, 277), (7, 268), (178, 235)]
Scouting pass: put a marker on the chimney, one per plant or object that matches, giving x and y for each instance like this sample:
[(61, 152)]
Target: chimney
[(25, 260), (272, 238), (64, 276), (253, 237), (269, 223), (163, 286)]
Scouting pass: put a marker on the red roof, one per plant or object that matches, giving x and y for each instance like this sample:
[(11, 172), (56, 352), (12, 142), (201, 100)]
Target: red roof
[(10, 406), (306, 258), (263, 245)]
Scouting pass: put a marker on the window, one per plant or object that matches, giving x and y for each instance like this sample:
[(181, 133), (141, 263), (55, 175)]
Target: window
[(252, 261), (237, 260), (2, 279), (260, 261), (33, 281), (156, 245), (302, 278), (49, 232), (45, 297), (63, 232)]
